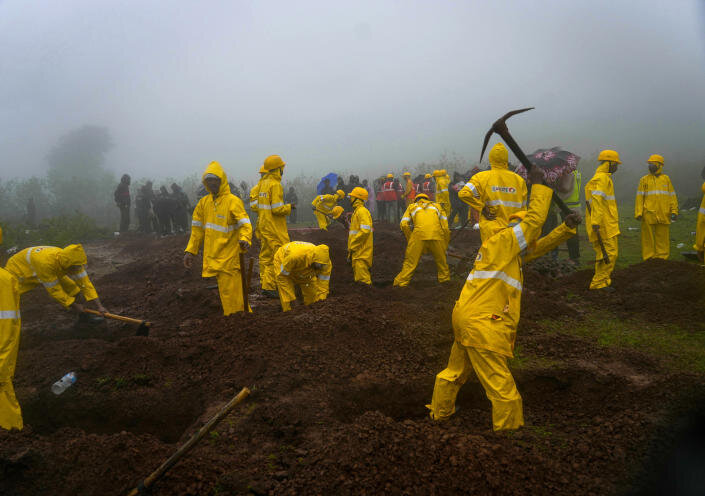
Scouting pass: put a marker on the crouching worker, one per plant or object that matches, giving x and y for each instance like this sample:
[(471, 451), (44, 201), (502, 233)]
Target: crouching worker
[(62, 272), (324, 208), (306, 265), (360, 237), (10, 412), (221, 224), (486, 315), (425, 226)]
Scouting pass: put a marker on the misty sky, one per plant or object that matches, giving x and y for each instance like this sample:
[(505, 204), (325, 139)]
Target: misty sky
[(345, 86)]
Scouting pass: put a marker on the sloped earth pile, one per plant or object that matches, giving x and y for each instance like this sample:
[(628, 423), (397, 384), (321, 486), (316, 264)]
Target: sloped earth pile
[(339, 387)]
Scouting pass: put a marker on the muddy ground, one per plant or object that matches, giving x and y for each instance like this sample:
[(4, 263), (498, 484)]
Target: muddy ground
[(340, 387)]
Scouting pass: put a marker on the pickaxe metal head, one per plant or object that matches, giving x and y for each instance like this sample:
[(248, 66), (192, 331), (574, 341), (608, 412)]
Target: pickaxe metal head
[(500, 127)]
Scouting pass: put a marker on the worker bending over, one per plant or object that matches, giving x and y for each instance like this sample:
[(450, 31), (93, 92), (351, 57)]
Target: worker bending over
[(442, 195), (429, 233), (656, 206), (271, 224), (602, 218), (496, 193), (306, 265), (222, 226), (323, 206), (10, 323), (700, 228), (486, 316), (62, 272), (360, 237)]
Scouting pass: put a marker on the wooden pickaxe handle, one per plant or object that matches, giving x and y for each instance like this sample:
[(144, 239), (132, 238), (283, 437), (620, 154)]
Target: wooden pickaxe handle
[(117, 317), (243, 282), (173, 459), (605, 257), (333, 218)]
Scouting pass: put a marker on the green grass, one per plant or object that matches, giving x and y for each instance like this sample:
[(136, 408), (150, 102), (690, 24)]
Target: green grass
[(630, 240), (678, 349), (526, 361)]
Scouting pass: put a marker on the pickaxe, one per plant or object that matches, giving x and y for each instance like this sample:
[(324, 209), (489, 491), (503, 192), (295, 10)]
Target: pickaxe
[(347, 226), (500, 127)]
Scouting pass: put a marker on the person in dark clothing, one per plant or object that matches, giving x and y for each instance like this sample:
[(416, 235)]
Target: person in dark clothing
[(292, 198), (183, 208), (143, 205), (457, 207), (327, 188), (122, 200), (165, 209)]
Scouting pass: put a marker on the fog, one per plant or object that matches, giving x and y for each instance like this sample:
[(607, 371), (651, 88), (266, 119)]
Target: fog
[(362, 86)]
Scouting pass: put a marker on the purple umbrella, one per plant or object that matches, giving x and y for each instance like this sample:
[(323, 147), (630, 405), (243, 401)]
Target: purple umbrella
[(554, 162)]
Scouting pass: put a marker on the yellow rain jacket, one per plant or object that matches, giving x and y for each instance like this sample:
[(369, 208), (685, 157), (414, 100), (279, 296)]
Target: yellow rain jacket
[(700, 225), (324, 205), (429, 222), (10, 323), (501, 190), (219, 223), (272, 209), (599, 193), (409, 191), (293, 266), (487, 313), (49, 266), (655, 199), (442, 195), (360, 242)]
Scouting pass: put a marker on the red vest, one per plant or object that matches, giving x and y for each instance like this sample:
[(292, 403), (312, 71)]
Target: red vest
[(388, 193)]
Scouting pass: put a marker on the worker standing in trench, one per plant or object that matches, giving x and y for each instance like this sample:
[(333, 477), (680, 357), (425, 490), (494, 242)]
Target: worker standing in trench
[(360, 237), (602, 218), (656, 206), (271, 223), (222, 226), (496, 193), (442, 195), (10, 323), (486, 316), (429, 233)]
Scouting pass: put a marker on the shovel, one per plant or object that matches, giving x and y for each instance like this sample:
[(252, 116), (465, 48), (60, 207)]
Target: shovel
[(142, 330), (145, 486)]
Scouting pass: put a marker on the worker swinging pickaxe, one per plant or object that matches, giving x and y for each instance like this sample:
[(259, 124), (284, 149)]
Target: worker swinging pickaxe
[(500, 127), (340, 218)]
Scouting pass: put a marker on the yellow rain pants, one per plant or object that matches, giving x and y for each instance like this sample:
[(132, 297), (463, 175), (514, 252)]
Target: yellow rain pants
[(494, 375), (230, 290), (603, 271), (10, 412), (414, 250), (655, 240), (361, 271)]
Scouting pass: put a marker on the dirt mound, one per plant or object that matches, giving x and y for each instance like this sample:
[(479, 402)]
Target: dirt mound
[(340, 387)]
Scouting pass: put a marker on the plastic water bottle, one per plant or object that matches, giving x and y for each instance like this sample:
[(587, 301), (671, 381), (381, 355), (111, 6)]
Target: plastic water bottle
[(64, 383)]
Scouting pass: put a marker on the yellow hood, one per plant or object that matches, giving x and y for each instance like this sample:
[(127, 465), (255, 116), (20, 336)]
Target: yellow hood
[(499, 157), (603, 168), (321, 255), (215, 169), (72, 255), (275, 174)]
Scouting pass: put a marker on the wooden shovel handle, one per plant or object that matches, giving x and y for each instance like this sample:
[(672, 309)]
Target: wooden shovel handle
[(117, 317)]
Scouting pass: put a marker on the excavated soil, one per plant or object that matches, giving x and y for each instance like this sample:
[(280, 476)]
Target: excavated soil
[(340, 387)]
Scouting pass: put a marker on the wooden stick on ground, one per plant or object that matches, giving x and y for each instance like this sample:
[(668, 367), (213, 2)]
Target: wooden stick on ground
[(147, 483)]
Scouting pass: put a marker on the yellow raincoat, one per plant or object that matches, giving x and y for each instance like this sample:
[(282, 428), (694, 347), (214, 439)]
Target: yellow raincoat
[(429, 233), (271, 225), (499, 189), (599, 194), (409, 191), (360, 242), (219, 223), (61, 271), (442, 195), (10, 323), (486, 315), (293, 261), (700, 226), (323, 205), (655, 203)]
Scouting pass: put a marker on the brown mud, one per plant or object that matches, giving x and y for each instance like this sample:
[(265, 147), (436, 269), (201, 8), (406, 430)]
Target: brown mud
[(339, 387)]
